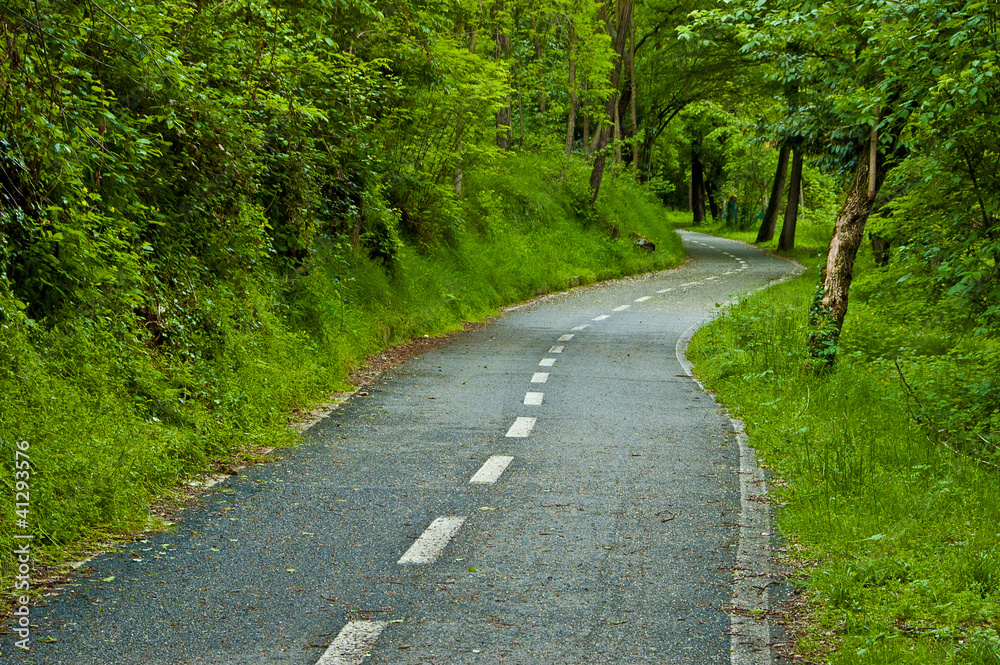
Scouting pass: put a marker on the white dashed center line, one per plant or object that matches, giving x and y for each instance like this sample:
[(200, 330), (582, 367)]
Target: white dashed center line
[(565, 338), (691, 284), (643, 299), (664, 290), (491, 471), (601, 317), (709, 279), (730, 272), (586, 325), (432, 542), (521, 428), (621, 309), (557, 349), (539, 377), (547, 362), (352, 644), (533, 399)]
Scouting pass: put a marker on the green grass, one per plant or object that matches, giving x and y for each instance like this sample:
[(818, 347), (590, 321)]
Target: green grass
[(117, 417), (881, 486)]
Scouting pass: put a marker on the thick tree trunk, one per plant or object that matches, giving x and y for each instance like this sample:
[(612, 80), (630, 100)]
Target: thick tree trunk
[(770, 220), (713, 204), (787, 240), (697, 187), (827, 318), (623, 18), (503, 128)]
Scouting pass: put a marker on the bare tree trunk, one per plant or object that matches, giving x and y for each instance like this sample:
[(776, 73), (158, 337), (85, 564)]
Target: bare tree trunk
[(770, 220), (632, 101), (542, 103), (623, 18), (574, 99), (502, 42), (827, 318), (617, 136), (713, 205), (697, 186), (520, 115), (786, 242)]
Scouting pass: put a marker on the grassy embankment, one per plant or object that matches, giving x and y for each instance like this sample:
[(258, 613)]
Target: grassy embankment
[(885, 467), (114, 421)]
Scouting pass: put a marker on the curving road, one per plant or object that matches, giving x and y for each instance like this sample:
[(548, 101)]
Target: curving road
[(550, 489)]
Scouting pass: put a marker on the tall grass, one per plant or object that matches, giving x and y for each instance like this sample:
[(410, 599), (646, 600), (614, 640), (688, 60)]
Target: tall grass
[(876, 485), (116, 417)]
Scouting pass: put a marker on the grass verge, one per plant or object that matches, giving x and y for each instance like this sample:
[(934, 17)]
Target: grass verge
[(884, 485)]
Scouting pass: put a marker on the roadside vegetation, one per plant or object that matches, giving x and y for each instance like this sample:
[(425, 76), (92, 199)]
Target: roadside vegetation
[(210, 211), (886, 470)]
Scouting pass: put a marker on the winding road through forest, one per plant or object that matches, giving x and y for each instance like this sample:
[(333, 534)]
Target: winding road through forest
[(552, 488)]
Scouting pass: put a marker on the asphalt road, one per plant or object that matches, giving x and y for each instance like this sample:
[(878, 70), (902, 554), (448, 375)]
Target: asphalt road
[(605, 528)]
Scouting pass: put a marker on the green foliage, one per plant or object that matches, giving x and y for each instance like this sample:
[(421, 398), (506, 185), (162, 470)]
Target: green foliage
[(879, 471)]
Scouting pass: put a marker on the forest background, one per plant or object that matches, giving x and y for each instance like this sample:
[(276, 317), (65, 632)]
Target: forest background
[(211, 211)]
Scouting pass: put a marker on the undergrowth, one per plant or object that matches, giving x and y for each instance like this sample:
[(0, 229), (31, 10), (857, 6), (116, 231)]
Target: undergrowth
[(885, 470), (119, 406)]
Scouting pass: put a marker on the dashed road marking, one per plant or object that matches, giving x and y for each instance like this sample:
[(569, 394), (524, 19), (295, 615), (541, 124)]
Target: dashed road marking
[(691, 284), (586, 325), (643, 299), (547, 362), (533, 399), (539, 377), (621, 309), (432, 542), (557, 349), (601, 317), (709, 279), (352, 643), (491, 470), (664, 290), (565, 338), (730, 272), (521, 428)]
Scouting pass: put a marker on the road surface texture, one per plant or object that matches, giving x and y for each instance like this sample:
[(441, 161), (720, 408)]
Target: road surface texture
[(552, 489)]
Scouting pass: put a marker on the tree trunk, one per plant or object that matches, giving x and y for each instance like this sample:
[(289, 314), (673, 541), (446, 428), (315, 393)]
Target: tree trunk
[(502, 45), (503, 128), (786, 242), (827, 316), (713, 205), (542, 102), (697, 186), (632, 101), (520, 115), (623, 18), (574, 99), (770, 220), (617, 136)]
